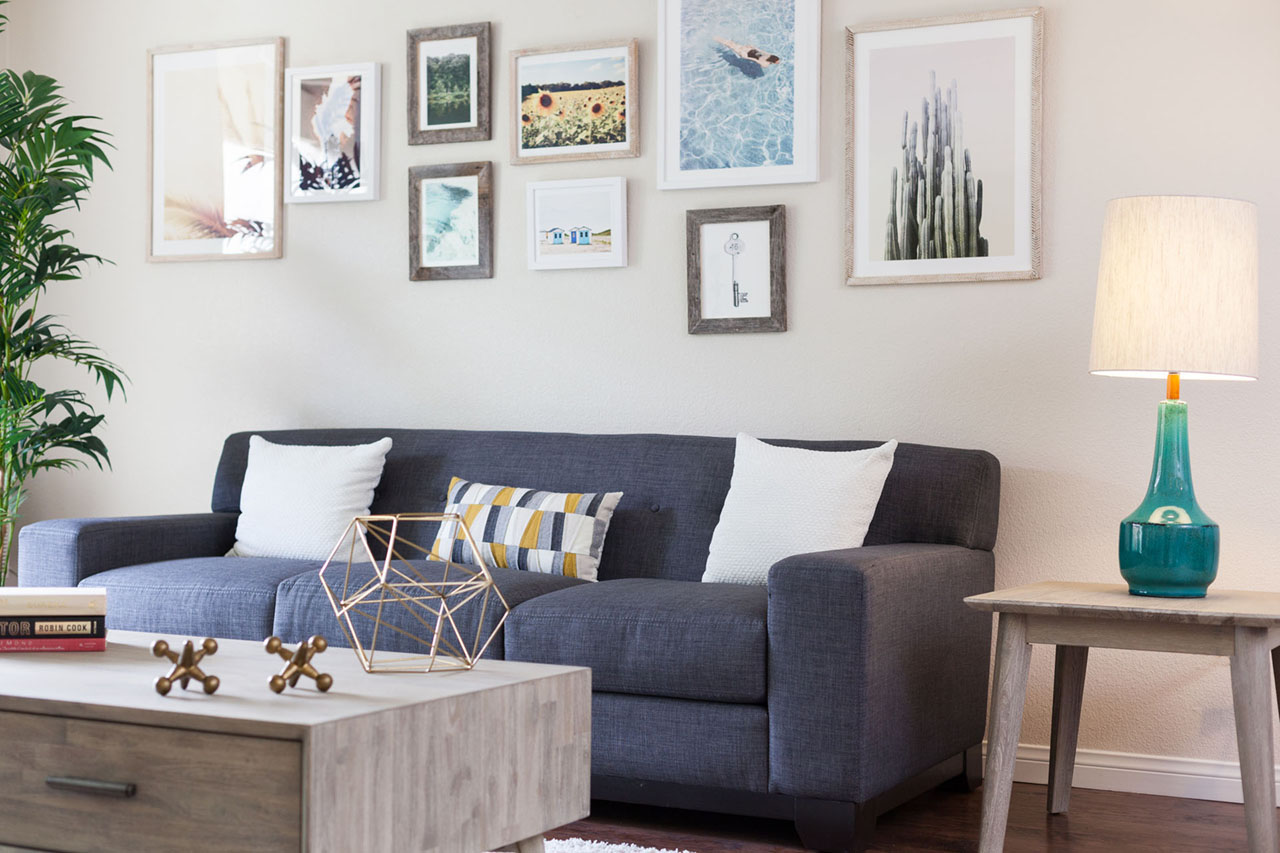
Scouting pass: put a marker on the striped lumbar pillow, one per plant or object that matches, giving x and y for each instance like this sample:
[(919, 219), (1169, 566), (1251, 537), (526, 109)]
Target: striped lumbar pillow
[(554, 533)]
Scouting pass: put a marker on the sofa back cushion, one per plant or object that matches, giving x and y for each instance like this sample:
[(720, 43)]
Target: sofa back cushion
[(673, 486)]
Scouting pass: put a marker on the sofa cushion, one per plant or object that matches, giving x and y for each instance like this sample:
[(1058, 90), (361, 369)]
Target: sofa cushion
[(651, 637), (303, 609), (714, 744), (556, 533), (232, 597)]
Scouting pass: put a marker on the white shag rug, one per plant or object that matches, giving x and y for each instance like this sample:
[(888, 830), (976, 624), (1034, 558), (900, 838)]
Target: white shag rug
[(579, 845)]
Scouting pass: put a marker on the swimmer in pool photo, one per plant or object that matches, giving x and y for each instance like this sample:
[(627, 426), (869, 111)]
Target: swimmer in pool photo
[(754, 54)]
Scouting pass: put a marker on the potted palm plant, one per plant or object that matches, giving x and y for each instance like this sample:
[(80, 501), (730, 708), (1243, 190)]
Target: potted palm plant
[(46, 166)]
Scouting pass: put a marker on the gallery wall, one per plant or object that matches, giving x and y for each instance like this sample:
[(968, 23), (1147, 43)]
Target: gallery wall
[(1140, 97)]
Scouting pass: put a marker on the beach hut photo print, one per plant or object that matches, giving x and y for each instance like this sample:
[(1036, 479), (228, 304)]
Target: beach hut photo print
[(738, 92), (943, 153), (577, 223)]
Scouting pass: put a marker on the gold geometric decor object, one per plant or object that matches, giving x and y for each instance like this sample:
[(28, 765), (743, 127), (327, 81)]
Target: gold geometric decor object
[(186, 665), (298, 663), (378, 582)]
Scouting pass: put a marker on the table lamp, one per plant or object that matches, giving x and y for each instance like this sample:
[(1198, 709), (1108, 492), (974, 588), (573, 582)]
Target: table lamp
[(1177, 299)]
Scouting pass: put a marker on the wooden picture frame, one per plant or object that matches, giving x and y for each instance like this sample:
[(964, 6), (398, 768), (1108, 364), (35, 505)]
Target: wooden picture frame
[(473, 42), (345, 168), (945, 82), (739, 96), (188, 217), (451, 230), (599, 113), (719, 300)]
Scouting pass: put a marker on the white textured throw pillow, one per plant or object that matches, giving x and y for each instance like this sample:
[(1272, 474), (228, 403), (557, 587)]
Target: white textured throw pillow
[(298, 498), (785, 501)]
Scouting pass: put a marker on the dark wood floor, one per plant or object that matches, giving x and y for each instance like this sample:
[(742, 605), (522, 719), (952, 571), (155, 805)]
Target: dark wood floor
[(948, 821)]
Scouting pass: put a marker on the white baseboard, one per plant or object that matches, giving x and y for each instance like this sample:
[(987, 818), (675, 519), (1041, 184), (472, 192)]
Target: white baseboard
[(1192, 778)]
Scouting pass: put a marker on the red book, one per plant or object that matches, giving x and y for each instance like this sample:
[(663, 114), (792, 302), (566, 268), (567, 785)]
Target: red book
[(54, 644)]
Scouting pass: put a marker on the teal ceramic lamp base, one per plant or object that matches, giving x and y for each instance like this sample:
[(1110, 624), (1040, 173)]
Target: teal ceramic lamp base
[(1168, 545)]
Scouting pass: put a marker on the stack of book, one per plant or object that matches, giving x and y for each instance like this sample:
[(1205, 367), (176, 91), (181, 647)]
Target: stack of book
[(53, 619)]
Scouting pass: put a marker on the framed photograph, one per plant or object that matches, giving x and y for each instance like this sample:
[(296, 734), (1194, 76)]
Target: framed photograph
[(737, 269), (574, 224), (943, 149), (449, 84), (215, 114), (451, 221), (737, 92), (331, 115), (575, 103)]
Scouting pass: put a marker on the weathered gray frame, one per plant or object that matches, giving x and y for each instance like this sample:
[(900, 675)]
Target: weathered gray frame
[(1036, 13), (633, 104), (484, 128), (277, 104), (777, 319), (483, 170)]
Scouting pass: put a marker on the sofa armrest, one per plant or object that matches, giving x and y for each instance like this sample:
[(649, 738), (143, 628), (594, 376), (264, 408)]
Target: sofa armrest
[(65, 551), (877, 669)]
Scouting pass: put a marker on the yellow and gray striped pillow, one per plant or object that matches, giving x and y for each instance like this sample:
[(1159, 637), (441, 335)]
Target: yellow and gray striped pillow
[(559, 533)]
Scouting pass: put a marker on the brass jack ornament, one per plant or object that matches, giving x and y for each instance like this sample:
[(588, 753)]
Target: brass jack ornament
[(186, 665), (298, 663)]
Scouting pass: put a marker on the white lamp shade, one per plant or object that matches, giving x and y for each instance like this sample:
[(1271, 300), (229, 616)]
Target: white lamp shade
[(1177, 289)]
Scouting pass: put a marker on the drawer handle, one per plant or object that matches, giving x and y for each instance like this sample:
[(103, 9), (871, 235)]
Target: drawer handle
[(92, 786)]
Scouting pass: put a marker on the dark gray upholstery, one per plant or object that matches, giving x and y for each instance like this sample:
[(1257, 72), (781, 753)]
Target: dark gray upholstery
[(849, 674), (673, 740), (651, 637), (65, 551), (877, 669), (204, 596), (673, 486), (303, 609)]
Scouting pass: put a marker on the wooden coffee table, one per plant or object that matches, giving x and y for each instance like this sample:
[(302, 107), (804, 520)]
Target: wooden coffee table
[(463, 761), (1243, 626)]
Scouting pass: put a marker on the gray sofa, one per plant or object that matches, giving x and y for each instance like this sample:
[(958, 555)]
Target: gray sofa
[(854, 680)]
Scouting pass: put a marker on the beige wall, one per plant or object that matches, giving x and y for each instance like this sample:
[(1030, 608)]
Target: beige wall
[(1140, 97)]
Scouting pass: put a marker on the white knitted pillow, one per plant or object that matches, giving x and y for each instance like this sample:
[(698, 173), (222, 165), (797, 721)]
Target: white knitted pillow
[(785, 501), (298, 498)]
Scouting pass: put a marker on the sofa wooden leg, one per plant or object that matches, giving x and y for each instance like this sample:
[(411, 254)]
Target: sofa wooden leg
[(971, 778), (835, 827)]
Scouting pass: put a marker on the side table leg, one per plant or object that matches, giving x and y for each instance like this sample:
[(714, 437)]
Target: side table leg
[(1251, 693), (1008, 693), (1068, 693)]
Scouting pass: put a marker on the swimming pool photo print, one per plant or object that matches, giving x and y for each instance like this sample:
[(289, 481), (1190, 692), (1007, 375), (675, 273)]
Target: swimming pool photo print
[(738, 92)]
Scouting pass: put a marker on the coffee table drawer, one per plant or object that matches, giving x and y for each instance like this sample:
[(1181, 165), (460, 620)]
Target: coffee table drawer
[(190, 790)]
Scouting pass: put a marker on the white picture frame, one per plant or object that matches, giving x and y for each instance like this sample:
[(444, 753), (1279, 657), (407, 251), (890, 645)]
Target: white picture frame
[(711, 41), (577, 224), (981, 74), (352, 155), (215, 117)]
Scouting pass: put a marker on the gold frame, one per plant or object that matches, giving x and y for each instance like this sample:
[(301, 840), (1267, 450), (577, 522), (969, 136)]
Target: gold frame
[(397, 583)]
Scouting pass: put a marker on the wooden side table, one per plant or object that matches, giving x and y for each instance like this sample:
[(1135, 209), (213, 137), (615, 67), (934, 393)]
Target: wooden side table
[(1244, 626)]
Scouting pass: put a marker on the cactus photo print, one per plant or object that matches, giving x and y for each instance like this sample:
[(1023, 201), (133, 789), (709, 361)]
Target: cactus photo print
[(943, 169), (332, 116)]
